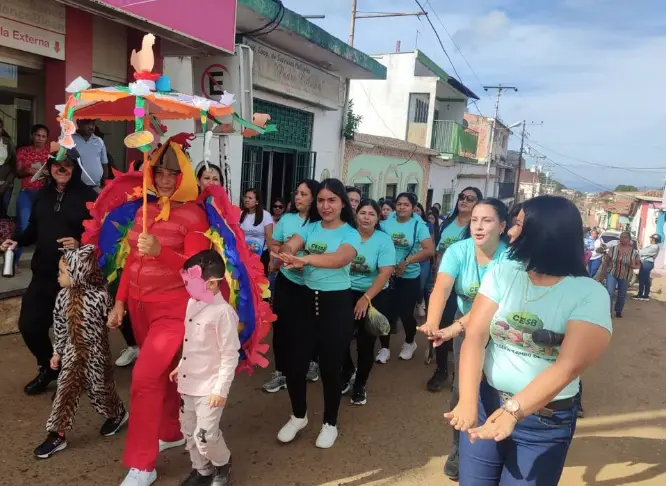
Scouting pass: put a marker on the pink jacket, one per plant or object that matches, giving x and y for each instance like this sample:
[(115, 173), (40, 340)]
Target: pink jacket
[(210, 349)]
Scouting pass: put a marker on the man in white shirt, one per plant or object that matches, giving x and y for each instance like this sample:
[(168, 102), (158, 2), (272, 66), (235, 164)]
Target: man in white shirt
[(94, 160)]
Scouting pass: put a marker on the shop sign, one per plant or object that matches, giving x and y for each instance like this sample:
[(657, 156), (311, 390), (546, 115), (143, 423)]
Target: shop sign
[(210, 21), (278, 72), (36, 26)]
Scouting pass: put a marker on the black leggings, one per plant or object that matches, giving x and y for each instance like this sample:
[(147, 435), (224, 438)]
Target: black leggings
[(126, 330), (402, 299), (285, 296), (448, 316), (324, 326), (365, 342), (36, 317)]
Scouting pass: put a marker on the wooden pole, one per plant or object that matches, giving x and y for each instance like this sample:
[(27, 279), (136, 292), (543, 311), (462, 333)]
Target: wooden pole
[(144, 209)]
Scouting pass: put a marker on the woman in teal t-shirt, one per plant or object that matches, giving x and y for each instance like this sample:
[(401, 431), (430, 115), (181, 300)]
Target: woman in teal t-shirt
[(370, 273), (289, 284), (326, 326), (463, 266), (413, 244), (536, 324), (453, 229)]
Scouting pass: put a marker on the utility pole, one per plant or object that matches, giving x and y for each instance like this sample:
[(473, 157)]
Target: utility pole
[(516, 189), (500, 89), (375, 15)]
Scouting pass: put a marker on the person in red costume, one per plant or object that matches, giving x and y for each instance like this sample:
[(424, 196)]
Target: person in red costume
[(152, 291)]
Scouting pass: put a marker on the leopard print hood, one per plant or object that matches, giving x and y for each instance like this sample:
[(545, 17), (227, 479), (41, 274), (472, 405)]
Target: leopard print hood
[(83, 268)]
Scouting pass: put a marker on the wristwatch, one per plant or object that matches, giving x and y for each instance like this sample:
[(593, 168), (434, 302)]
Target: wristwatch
[(513, 407)]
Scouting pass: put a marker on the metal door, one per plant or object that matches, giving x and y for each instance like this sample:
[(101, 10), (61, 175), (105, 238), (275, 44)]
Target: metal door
[(251, 168), (306, 163)]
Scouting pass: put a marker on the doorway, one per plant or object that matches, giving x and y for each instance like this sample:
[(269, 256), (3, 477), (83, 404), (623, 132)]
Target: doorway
[(277, 178)]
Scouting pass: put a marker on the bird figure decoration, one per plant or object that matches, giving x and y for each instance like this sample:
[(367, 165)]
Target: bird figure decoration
[(144, 60)]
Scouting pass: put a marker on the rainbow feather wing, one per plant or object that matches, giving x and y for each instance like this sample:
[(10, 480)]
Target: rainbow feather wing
[(247, 283)]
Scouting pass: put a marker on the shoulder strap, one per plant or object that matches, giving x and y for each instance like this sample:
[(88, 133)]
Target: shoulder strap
[(416, 225)]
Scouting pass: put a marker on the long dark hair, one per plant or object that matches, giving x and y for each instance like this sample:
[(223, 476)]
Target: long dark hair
[(281, 201), (551, 240), (314, 189), (452, 217), (500, 208), (338, 188), (435, 227), (258, 211), (372, 203), (202, 168)]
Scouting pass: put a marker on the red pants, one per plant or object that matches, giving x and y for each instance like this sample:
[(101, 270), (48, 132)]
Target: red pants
[(159, 328)]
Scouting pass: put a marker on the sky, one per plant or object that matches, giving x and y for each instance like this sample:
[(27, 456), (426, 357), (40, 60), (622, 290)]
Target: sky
[(591, 70)]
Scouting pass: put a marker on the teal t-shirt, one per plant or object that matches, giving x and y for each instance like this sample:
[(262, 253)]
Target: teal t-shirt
[(459, 261), (374, 253), (513, 360), (402, 235), (451, 234), (287, 227), (319, 240)]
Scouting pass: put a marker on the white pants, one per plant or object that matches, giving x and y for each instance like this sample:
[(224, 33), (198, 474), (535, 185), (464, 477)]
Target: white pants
[(200, 425)]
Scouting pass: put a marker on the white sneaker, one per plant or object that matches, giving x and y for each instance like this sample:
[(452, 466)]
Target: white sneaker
[(165, 446), (139, 478), (127, 356), (291, 429), (407, 351), (383, 356), (420, 310), (327, 436)]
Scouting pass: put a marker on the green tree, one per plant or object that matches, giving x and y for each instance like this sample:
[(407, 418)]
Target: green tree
[(352, 123), (626, 188)]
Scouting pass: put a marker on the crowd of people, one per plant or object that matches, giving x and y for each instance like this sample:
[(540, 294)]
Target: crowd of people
[(509, 293)]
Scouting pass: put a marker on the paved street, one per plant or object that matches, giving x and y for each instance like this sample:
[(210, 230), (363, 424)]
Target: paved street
[(397, 438)]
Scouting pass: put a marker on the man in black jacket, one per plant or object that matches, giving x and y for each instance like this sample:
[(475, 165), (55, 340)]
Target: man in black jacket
[(56, 222)]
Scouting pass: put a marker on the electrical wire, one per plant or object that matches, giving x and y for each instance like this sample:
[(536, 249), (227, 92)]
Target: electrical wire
[(272, 24)]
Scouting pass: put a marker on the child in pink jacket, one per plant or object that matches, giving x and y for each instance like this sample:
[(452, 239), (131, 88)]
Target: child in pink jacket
[(206, 369)]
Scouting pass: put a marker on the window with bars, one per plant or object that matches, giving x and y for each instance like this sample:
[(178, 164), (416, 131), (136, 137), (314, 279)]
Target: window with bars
[(418, 107), (447, 202), (391, 191), (294, 127), (413, 188), (251, 168), (365, 190)]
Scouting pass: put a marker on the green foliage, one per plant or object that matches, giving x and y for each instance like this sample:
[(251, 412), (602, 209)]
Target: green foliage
[(626, 188), (352, 123)]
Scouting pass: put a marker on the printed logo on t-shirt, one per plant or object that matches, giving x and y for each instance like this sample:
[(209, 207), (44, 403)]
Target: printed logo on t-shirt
[(316, 248), (400, 240), (255, 246), (359, 267), (514, 334), (472, 290), (446, 242)]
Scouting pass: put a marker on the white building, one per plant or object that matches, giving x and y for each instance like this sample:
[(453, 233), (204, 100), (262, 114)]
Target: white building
[(299, 73)]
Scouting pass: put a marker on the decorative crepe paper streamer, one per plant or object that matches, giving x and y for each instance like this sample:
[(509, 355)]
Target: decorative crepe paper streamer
[(246, 124), (156, 125), (140, 104), (204, 122)]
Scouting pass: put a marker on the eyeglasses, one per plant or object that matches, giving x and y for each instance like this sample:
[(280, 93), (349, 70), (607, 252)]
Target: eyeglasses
[(277, 206), (59, 197), (469, 199)]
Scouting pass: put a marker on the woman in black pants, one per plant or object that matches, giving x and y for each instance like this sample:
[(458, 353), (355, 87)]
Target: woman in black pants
[(289, 284), (326, 325), (413, 244), (370, 272)]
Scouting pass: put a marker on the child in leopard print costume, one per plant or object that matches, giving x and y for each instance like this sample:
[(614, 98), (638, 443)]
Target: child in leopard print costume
[(81, 350)]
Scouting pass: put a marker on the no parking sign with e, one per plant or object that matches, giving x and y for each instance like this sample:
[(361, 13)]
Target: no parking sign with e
[(214, 80)]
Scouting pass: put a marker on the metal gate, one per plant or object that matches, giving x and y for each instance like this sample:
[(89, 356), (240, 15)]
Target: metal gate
[(306, 163), (251, 168)]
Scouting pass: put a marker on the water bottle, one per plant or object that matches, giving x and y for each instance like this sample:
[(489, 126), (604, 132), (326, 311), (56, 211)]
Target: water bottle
[(8, 265)]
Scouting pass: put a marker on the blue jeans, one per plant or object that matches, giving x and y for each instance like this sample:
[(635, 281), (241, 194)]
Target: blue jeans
[(622, 286), (533, 455), (24, 202), (644, 281), (593, 266)]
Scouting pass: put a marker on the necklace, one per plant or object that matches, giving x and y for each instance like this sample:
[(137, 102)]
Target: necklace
[(527, 288)]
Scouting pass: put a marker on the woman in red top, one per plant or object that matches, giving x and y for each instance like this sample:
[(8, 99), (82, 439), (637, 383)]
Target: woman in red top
[(153, 292), (28, 162)]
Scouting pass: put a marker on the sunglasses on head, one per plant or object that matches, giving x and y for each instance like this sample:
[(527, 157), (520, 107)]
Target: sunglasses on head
[(465, 197)]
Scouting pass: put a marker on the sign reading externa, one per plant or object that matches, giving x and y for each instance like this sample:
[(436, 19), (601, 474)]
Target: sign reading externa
[(210, 21)]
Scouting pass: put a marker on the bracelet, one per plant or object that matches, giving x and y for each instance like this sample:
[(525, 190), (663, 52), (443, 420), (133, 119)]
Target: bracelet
[(462, 326), (367, 298)]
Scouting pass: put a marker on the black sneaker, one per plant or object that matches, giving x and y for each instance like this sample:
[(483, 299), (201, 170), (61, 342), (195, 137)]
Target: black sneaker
[(40, 383), (451, 465), (436, 383), (196, 479), (347, 383), (359, 397), (54, 442), (222, 475), (113, 425), (618, 314)]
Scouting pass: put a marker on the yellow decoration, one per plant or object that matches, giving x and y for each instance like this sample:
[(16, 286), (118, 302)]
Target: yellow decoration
[(139, 139)]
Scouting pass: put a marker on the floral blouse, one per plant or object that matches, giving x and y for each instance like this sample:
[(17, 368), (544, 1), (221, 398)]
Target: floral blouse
[(27, 158)]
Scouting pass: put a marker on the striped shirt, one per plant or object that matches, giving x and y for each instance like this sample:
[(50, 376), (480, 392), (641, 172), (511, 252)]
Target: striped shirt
[(620, 264)]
